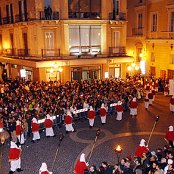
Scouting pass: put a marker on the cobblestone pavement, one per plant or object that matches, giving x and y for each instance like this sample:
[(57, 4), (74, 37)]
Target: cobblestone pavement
[(127, 133)]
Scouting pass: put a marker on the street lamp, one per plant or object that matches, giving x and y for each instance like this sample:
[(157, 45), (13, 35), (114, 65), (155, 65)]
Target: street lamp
[(3, 137), (118, 150)]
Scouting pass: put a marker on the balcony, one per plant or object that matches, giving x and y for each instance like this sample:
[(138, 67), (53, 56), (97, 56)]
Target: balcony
[(84, 15), (50, 53), (23, 52), (9, 52), (119, 17), (7, 20), (85, 50), (21, 18), (53, 16), (137, 32), (117, 51)]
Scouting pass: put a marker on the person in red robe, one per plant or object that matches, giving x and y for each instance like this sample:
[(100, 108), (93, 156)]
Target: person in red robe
[(133, 107), (141, 149), (170, 136), (146, 103), (103, 113), (172, 104), (166, 90), (91, 116), (43, 169), (14, 158), (68, 122), (150, 97), (81, 165), (20, 132), (119, 110), (35, 130), (1, 125), (48, 124)]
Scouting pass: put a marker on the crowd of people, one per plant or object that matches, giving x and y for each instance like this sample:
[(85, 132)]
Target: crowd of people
[(26, 106)]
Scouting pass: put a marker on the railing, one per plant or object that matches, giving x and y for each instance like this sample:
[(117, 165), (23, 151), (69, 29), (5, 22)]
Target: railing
[(21, 18), (7, 20), (23, 52), (50, 52), (85, 50), (84, 15), (9, 52), (137, 31), (121, 16), (117, 51), (52, 16)]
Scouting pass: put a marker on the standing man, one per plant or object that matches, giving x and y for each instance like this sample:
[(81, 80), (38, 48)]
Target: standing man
[(81, 165), (48, 124), (91, 116), (20, 132), (133, 107), (172, 104), (15, 158), (68, 122), (141, 149), (170, 136), (43, 169), (119, 110), (35, 130), (103, 113)]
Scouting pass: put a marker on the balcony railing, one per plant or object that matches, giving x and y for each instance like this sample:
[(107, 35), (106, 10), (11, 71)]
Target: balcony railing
[(84, 15), (9, 52), (117, 51), (120, 16), (21, 18), (7, 20), (23, 52), (85, 50), (53, 16), (50, 52), (137, 32)]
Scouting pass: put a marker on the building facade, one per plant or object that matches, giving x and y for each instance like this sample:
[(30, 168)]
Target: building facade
[(63, 40), (150, 35)]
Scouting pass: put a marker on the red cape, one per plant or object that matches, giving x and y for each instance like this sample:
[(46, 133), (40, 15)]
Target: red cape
[(35, 127), (68, 119), (91, 114), (102, 112), (48, 123), (18, 130), (14, 154), (133, 104), (172, 101), (44, 172), (140, 150), (119, 108), (170, 135), (80, 167)]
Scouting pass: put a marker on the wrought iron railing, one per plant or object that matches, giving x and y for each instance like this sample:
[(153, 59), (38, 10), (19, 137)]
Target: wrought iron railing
[(137, 31), (23, 52), (50, 52), (121, 16), (84, 15), (114, 51)]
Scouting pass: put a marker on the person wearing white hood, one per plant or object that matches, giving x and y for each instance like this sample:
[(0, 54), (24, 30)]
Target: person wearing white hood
[(142, 148), (68, 122), (48, 124), (81, 165), (43, 169), (103, 112), (119, 109), (169, 164), (91, 116), (133, 107), (20, 132), (172, 104), (35, 129), (14, 158)]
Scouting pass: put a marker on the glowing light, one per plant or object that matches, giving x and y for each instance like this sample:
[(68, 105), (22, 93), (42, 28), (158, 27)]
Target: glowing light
[(137, 68), (129, 68), (118, 149), (133, 64), (143, 66), (23, 73), (106, 75), (51, 70), (55, 65), (141, 55), (6, 45)]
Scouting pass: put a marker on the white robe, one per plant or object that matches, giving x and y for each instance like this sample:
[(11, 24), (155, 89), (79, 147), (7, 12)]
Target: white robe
[(36, 136), (133, 111), (103, 119), (171, 108), (21, 138), (69, 128), (146, 104), (49, 132), (91, 122), (150, 101), (15, 164), (119, 116)]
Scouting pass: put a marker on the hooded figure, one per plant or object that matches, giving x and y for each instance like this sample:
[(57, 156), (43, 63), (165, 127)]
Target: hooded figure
[(172, 104), (43, 169), (169, 162), (150, 97), (91, 116), (119, 110), (81, 165), (14, 158), (133, 107), (68, 122), (35, 129), (141, 149), (48, 124), (170, 136), (166, 90), (103, 113), (20, 132)]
